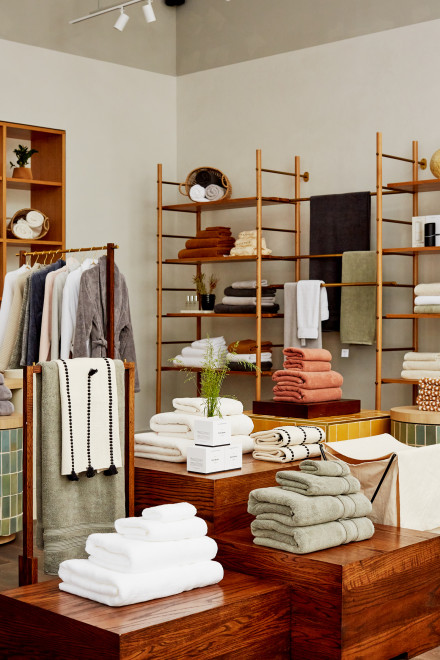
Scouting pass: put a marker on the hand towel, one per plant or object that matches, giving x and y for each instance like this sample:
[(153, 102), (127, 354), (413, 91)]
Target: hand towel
[(83, 578), (283, 436), (170, 512), (426, 309), (421, 356), (249, 346), (247, 284), (417, 374), (247, 300), (311, 309), (171, 448), (197, 243), (248, 357), (155, 530), (245, 309), (326, 469), (197, 193), (427, 300), (297, 353), (312, 484), (425, 365), (302, 540), (287, 454), (118, 553), (214, 193), (183, 423), (290, 319), (307, 365), (427, 289), (358, 303), (296, 510), (199, 253), (209, 341), (251, 292), (309, 396), (308, 380), (197, 406)]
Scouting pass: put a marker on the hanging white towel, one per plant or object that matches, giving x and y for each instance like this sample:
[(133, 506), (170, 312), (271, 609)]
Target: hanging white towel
[(310, 310), (7, 296)]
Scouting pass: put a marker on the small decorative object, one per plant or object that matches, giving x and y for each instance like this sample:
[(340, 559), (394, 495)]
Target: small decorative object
[(206, 184), (23, 155), (434, 164), (207, 297), (29, 224)]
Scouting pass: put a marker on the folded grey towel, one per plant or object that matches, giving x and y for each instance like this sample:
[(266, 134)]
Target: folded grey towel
[(311, 484), (6, 408), (293, 509), (325, 468), (302, 540), (5, 393)]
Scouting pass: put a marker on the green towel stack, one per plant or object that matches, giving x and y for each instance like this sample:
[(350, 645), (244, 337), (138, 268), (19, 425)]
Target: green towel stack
[(319, 507)]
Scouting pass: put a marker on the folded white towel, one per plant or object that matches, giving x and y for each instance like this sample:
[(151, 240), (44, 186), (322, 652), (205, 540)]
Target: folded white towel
[(118, 553), (284, 436), (250, 242), (427, 289), (83, 578), (213, 192), (189, 351), (247, 233), (266, 301), (198, 362), (197, 193), (169, 448), (427, 300), (286, 454), (248, 357), (23, 230), (421, 356), (209, 341), (182, 423), (417, 374), (247, 251), (170, 512), (425, 365), (247, 284), (197, 405), (155, 530)]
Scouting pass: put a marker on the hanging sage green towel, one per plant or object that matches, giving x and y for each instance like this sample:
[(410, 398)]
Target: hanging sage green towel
[(335, 468), (311, 484), (358, 303), (302, 540), (292, 509)]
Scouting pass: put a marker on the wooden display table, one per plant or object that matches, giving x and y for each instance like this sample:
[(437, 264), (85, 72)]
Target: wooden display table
[(241, 617), (371, 600), (221, 498), (415, 427)]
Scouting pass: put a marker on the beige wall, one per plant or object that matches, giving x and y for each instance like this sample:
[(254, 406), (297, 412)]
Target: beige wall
[(324, 103)]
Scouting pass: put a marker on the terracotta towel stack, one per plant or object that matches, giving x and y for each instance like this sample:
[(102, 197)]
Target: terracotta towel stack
[(246, 350), (428, 397), (307, 377), (209, 242)]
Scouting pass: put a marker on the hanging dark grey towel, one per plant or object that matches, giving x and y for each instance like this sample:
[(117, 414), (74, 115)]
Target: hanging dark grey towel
[(338, 223)]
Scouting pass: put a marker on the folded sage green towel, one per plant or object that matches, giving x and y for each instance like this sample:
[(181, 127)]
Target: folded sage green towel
[(302, 540), (311, 484), (331, 468), (293, 509)]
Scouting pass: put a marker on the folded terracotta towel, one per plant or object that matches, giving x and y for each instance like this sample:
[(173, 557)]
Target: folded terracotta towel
[(238, 293), (203, 252), (214, 232), (313, 484), (285, 454), (249, 346), (245, 309), (426, 309), (335, 468), (310, 396), (308, 380), (307, 365), (197, 243), (427, 289), (321, 354)]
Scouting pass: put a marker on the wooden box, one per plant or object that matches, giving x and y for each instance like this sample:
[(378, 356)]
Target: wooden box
[(306, 410)]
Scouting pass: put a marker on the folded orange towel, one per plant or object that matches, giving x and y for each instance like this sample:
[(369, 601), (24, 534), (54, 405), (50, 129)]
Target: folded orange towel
[(310, 396), (249, 346), (197, 243), (307, 380), (213, 232), (321, 354), (307, 365), (203, 252)]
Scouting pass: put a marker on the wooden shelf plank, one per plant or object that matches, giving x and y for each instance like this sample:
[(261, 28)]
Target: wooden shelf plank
[(35, 241), (14, 421), (214, 315), (413, 250), (208, 260), (423, 185), (402, 381), (237, 203), (29, 184), (412, 316), (14, 383), (232, 372)]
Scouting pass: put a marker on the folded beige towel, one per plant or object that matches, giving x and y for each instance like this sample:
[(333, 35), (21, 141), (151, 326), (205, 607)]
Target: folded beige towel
[(421, 356), (312, 484), (417, 374), (277, 454), (425, 365), (427, 289)]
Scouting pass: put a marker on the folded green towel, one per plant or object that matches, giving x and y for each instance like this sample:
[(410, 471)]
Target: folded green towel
[(302, 540), (293, 509), (311, 484), (325, 468)]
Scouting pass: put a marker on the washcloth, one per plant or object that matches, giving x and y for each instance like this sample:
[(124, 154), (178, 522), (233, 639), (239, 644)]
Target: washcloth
[(299, 395), (248, 251), (327, 469), (426, 309), (427, 289), (296, 510), (197, 406), (307, 380), (338, 223), (236, 366), (213, 193), (251, 292), (183, 423), (247, 284), (421, 356), (296, 353), (285, 454), (426, 365), (283, 436), (247, 300), (196, 243), (172, 448), (417, 374), (6, 408), (249, 346), (170, 512), (312, 484), (290, 319), (118, 553), (358, 303), (427, 300), (83, 578), (311, 309), (245, 309), (156, 530), (203, 252), (197, 193), (307, 365), (248, 357), (302, 540)]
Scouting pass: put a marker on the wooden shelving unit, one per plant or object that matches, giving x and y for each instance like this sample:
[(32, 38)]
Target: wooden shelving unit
[(256, 202)]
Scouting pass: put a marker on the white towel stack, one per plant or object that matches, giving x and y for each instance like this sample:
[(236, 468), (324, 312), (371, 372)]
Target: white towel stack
[(421, 365), (195, 354), (427, 298), (246, 244), (162, 553), (285, 444)]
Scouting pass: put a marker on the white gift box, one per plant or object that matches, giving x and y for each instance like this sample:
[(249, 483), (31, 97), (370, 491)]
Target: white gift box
[(207, 460), (212, 431)]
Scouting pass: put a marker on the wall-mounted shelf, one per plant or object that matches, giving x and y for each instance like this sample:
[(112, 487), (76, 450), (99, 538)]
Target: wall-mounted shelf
[(214, 315), (227, 204), (416, 186)]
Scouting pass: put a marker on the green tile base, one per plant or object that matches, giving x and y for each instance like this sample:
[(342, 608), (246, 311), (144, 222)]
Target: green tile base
[(416, 435), (11, 481)]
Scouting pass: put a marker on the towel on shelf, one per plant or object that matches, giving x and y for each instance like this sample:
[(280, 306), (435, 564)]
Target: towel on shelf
[(197, 243), (283, 436), (189, 351), (208, 341), (426, 309), (311, 309), (338, 223), (358, 303), (248, 300), (302, 540), (427, 300), (250, 292), (287, 454), (247, 284), (170, 512), (300, 395), (427, 289), (200, 253), (249, 346), (248, 251), (172, 448), (248, 357), (197, 193), (6, 408), (197, 405), (118, 553), (417, 374), (296, 510), (297, 353), (23, 230), (237, 366), (214, 193), (205, 177), (313, 380), (291, 322), (156, 530), (334, 468), (313, 484), (245, 309), (421, 356), (250, 242), (198, 361), (307, 365), (425, 365), (214, 232), (183, 423), (83, 578)]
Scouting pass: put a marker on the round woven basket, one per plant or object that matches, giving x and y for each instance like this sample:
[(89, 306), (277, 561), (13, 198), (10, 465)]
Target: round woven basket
[(21, 215), (204, 176)]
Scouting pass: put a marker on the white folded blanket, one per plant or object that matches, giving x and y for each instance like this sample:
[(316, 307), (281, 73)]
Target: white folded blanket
[(279, 454), (183, 423), (197, 405), (83, 578), (155, 530), (173, 448), (428, 289), (189, 361), (285, 436), (248, 357), (421, 356), (247, 284), (266, 301), (213, 192), (170, 512), (417, 374), (425, 365), (208, 341), (118, 553), (427, 300), (197, 193)]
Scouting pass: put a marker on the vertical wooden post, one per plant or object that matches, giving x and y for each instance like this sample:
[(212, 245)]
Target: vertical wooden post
[(159, 291), (111, 300), (415, 211), (297, 218), (198, 318), (129, 438), (379, 248), (258, 278)]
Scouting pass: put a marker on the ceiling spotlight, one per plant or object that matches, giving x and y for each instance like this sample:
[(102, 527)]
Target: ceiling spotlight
[(149, 12), (122, 21)]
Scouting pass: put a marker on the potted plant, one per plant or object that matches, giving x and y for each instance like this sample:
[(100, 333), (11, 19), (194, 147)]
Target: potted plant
[(20, 170), (205, 291)]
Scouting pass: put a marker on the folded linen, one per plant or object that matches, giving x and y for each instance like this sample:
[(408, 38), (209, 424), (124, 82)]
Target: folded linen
[(308, 380), (283, 436), (427, 300), (189, 351), (213, 232), (248, 251), (213, 192), (208, 341), (245, 309), (249, 346), (302, 540), (6, 408), (417, 374), (197, 193), (421, 356), (250, 242), (309, 396), (170, 512), (312, 484), (247, 232), (286, 454), (426, 309), (35, 219), (426, 365), (203, 252), (237, 366), (334, 468), (83, 578), (427, 289), (156, 530), (196, 243), (296, 510), (197, 405), (171, 448), (182, 423), (198, 362), (307, 365), (248, 300), (247, 284), (249, 291), (248, 357), (118, 553), (321, 354)]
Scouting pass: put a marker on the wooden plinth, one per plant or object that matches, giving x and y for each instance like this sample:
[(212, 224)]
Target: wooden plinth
[(221, 499), (241, 617), (306, 410), (372, 600)]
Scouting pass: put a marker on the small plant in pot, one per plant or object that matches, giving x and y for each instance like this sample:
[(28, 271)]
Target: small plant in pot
[(206, 291), (23, 155)]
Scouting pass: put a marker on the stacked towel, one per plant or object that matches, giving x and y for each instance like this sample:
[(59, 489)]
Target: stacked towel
[(312, 381), (244, 351), (246, 244), (319, 507), (244, 346), (428, 397), (247, 284), (6, 405), (162, 553), (196, 354), (210, 242), (285, 444), (421, 365), (244, 300), (427, 298), (207, 188)]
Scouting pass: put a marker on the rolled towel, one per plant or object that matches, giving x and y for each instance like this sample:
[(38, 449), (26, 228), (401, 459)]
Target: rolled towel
[(118, 553), (23, 230), (334, 468), (197, 405), (5, 393), (170, 512), (247, 284), (297, 510), (302, 540), (421, 356), (277, 454), (197, 193), (284, 436), (307, 365), (214, 193), (427, 300), (83, 578), (183, 423), (6, 408), (312, 484), (155, 530), (308, 396), (205, 177), (321, 354), (35, 219), (308, 380)]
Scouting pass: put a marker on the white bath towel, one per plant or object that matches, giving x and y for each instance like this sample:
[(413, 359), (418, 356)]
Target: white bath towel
[(417, 374), (247, 284), (183, 423), (197, 405), (189, 351), (213, 192), (209, 341), (427, 289), (424, 365), (154, 530), (197, 193), (285, 436), (278, 454), (170, 512), (83, 578), (427, 300), (248, 357), (172, 448), (421, 356), (291, 319), (266, 301), (118, 553), (198, 362), (311, 309)]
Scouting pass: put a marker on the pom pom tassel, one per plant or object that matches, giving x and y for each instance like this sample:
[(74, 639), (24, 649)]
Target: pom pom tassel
[(90, 472), (112, 470), (72, 476)]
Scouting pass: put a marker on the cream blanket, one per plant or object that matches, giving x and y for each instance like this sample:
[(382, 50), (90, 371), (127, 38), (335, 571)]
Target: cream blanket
[(173, 448), (183, 424)]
